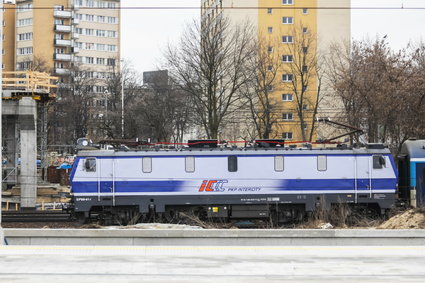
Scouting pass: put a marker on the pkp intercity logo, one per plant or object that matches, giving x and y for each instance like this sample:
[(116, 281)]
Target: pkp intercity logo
[(212, 186)]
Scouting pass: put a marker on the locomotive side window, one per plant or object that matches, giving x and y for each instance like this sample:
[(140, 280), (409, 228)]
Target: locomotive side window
[(278, 163), (147, 164), (232, 163), (378, 162), (90, 164), (322, 163), (190, 164)]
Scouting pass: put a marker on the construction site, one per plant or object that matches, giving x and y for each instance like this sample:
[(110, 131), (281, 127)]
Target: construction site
[(26, 176)]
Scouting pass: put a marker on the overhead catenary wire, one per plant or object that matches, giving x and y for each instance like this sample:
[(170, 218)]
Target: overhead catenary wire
[(225, 8)]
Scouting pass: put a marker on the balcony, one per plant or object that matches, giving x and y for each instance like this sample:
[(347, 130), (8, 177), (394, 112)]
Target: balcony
[(76, 35), (62, 57), (63, 42), (62, 28), (61, 71), (75, 49), (75, 21), (76, 7), (62, 14)]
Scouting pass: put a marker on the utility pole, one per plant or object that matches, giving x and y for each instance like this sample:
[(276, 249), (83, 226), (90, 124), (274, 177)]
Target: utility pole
[(1, 121), (122, 100)]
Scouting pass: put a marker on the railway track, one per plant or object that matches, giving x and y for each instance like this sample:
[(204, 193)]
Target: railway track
[(35, 216)]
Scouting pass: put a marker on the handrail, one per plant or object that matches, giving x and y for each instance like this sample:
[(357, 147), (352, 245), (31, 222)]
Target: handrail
[(30, 81)]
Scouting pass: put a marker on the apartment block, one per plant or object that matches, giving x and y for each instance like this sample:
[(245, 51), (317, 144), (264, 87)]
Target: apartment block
[(284, 24), (8, 37), (57, 36)]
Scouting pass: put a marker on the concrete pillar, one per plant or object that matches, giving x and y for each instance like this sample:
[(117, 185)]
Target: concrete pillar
[(28, 177)]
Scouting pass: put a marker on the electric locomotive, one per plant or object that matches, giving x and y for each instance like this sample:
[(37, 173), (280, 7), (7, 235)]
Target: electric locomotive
[(259, 182)]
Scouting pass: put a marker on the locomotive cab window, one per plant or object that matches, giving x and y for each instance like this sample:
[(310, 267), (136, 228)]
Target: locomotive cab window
[(190, 164), (278, 163), (378, 162), (90, 164), (322, 163), (232, 163), (147, 164)]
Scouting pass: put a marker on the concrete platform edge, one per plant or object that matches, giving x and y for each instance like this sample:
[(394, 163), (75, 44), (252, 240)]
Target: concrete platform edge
[(213, 237)]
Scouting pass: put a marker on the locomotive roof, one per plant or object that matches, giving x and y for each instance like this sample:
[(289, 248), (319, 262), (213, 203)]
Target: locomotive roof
[(236, 151), (414, 148)]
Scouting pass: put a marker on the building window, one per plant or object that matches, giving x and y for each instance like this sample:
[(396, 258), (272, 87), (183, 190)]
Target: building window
[(112, 33), (305, 11), (24, 8), (25, 51), (287, 136), (25, 36), (287, 2), (305, 49), (112, 48), (287, 58), (100, 61), (100, 47), (24, 22), (101, 33), (287, 116), (270, 49), (269, 11), (287, 77), (89, 46), (305, 69), (270, 88), (90, 18), (269, 29), (111, 62), (269, 68), (305, 106), (287, 20), (112, 20), (287, 39), (112, 5), (305, 30), (287, 97)]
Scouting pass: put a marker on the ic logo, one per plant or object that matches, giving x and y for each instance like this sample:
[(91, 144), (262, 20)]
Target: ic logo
[(212, 186)]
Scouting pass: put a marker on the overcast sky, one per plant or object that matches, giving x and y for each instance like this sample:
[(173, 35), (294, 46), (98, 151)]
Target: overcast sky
[(146, 33)]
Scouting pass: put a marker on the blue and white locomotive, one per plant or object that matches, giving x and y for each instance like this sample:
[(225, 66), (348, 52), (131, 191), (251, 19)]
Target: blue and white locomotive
[(229, 183)]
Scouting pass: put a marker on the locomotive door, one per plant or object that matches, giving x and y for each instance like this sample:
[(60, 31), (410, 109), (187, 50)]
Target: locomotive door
[(363, 176), (107, 180), (420, 183)]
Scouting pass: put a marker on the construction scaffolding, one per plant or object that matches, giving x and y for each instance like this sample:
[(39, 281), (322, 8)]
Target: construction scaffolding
[(26, 96)]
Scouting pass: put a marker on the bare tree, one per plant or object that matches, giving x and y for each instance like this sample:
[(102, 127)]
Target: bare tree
[(302, 76), (262, 83), (209, 64), (382, 90), (123, 79), (70, 115)]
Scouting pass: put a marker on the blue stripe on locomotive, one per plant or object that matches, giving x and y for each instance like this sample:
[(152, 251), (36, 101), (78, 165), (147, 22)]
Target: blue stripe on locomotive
[(284, 185)]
